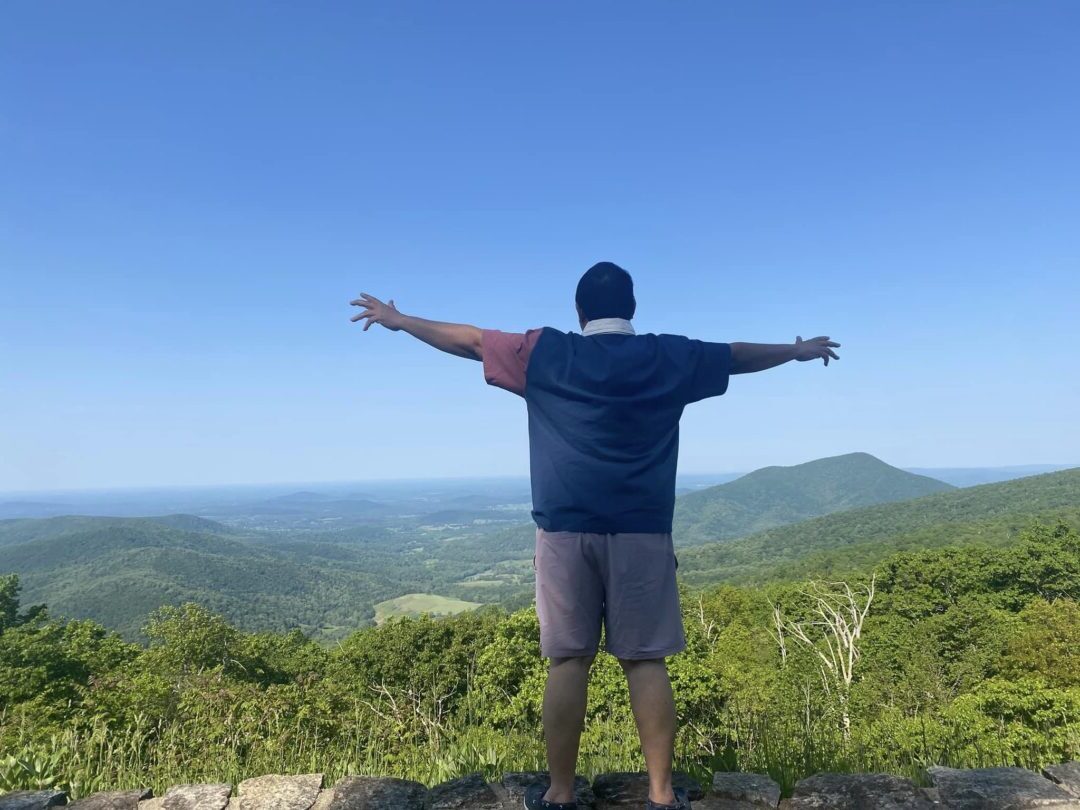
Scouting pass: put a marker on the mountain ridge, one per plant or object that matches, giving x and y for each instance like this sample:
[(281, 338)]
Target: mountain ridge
[(778, 495), (987, 513)]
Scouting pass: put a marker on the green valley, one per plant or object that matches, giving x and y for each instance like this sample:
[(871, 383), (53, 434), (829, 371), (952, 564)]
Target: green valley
[(417, 604), (327, 582)]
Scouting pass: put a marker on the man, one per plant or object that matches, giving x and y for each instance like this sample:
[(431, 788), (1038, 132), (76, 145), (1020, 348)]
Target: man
[(604, 409)]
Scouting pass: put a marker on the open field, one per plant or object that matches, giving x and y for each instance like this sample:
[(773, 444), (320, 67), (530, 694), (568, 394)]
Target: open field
[(413, 604)]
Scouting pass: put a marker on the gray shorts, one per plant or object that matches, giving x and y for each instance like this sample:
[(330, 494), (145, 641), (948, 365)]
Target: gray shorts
[(624, 581)]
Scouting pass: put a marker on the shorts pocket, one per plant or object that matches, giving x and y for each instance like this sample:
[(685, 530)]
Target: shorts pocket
[(534, 562), (676, 556)]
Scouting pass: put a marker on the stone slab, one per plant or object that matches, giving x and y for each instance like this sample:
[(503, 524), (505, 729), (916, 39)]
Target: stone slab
[(32, 799), (275, 792), (749, 789), (114, 800), (631, 789), (1067, 775), (515, 783), (998, 789), (197, 797), (375, 793), (470, 792), (859, 791)]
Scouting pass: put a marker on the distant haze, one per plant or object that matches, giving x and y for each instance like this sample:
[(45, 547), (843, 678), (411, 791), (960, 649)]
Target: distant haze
[(352, 495), (970, 476)]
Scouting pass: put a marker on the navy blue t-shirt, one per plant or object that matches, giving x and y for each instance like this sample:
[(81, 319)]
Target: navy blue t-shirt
[(604, 415)]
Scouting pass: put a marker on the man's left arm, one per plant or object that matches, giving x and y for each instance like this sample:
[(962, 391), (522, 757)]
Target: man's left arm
[(459, 339), (750, 357)]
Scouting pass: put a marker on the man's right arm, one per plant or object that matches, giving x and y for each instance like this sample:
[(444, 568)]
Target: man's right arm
[(750, 357), (458, 339)]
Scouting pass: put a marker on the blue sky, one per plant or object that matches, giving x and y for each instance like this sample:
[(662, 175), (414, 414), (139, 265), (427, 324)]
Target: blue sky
[(191, 193)]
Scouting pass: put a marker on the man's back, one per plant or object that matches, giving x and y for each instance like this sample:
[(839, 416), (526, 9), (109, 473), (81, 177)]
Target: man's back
[(604, 413)]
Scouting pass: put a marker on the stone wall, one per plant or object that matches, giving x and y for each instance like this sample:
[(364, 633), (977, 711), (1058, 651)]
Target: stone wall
[(1057, 786)]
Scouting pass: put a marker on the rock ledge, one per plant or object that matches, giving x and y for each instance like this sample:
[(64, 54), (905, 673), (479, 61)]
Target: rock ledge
[(1058, 786)]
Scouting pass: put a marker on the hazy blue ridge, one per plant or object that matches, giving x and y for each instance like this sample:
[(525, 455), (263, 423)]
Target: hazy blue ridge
[(973, 476)]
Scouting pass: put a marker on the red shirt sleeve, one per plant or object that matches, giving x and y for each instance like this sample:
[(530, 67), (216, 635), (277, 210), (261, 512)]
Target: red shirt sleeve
[(506, 357)]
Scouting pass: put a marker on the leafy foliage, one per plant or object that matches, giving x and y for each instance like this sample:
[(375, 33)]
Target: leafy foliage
[(968, 657)]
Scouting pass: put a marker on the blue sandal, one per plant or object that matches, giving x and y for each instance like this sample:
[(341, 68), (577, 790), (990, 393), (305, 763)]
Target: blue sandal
[(682, 802), (534, 799)]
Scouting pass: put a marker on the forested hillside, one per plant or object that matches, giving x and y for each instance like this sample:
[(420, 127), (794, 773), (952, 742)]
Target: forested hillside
[(328, 583), (776, 496), (966, 657), (116, 570), (25, 530), (991, 514)]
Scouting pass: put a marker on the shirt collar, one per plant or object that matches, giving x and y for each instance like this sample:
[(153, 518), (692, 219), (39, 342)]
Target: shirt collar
[(603, 326)]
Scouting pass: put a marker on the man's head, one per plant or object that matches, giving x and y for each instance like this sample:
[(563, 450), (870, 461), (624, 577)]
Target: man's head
[(605, 291)]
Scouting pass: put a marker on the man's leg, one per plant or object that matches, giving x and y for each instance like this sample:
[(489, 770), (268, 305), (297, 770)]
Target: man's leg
[(564, 716), (654, 713), (644, 626), (570, 609)]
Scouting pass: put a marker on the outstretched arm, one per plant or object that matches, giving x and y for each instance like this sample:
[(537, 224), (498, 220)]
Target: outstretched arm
[(458, 339), (748, 357)]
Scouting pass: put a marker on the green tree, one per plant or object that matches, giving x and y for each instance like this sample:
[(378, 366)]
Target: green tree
[(9, 604), (1045, 643), (189, 639)]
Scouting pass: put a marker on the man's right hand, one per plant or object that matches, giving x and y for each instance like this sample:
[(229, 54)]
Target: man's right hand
[(377, 312), (819, 348)]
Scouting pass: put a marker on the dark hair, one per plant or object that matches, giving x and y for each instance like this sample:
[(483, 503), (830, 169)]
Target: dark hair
[(606, 291)]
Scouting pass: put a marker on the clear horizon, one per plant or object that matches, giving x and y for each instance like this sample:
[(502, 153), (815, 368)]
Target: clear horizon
[(88, 491), (194, 193)]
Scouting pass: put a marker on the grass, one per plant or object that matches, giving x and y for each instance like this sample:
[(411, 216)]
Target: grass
[(91, 757)]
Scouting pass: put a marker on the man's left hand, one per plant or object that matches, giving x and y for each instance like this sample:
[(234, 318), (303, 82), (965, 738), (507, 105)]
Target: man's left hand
[(818, 348)]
